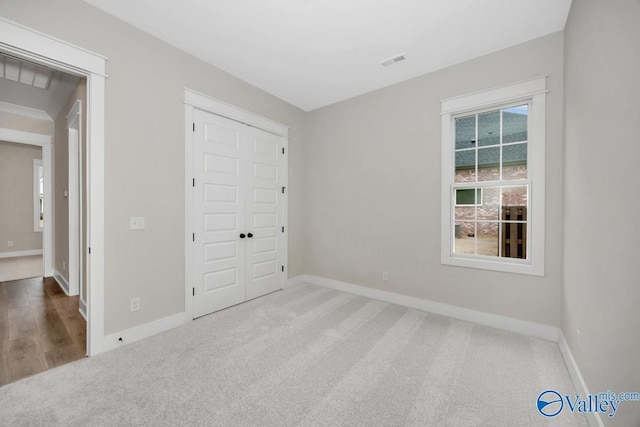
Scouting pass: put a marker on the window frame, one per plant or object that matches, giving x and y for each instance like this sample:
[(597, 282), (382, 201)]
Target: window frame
[(531, 92), (37, 164)]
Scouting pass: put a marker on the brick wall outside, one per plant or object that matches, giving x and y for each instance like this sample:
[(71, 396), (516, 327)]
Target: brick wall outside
[(491, 198)]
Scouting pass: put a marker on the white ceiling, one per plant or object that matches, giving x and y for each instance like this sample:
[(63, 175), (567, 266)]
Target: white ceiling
[(313, 53), (41, 90)]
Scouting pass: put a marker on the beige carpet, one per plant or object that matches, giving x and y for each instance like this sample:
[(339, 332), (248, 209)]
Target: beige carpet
[(304, 356)]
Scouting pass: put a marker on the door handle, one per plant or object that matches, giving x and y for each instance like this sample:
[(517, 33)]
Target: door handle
[(242, 236), (250, 235)]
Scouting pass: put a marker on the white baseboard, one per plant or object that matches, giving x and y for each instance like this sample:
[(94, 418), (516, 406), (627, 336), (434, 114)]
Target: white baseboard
[(62, 282), (143, 331), (593, 418), (83, 309), (546, 332), (19, 254)]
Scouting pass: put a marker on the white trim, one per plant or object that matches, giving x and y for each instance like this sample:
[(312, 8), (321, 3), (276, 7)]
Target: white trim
[(95, 212), (80, 187), (62, 282), (212, 105), (22, 137), (73, 198), (48, 50), (283, 240), (195, 100), (18, 254), (40, 48), (73, 116), (537, 330), (593, 418), (188, 218), (44, 141), (47, 232), (532, 91), (19, 110), (83, 309), (143, 331), (496, 95), (37, 164)]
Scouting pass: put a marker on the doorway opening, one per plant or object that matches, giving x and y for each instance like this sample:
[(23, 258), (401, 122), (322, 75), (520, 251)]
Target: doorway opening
[(40, 50), (41, 284)]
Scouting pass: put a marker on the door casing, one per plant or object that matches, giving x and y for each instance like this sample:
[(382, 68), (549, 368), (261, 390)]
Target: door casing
[(40, 48), (74, 199)]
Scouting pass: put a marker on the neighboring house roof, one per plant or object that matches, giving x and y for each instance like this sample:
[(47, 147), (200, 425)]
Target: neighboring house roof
[(514, 129)]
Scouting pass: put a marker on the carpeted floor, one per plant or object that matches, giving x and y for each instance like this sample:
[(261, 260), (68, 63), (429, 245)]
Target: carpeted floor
[(304, 356)]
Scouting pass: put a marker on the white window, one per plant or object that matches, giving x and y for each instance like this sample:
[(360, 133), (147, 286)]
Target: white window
[(493, 179), (38, 195)]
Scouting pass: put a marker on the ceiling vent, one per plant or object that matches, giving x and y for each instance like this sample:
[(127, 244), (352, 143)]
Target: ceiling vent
[(393, 60)]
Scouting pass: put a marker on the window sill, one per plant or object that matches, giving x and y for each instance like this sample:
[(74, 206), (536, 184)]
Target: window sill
[(515, 266)]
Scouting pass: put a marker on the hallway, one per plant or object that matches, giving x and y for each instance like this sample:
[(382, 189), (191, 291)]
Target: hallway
[(40, 328)]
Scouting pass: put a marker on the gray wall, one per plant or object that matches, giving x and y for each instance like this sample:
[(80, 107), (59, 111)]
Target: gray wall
[(144, 151), (373, 188), (26, 124), (601, 234), (29, 240), (16, 197)]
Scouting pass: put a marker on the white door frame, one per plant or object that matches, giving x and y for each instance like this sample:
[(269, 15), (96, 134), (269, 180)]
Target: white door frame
[(37, 208), (193, 100), (44, 141), (73, 139), (40, 48)]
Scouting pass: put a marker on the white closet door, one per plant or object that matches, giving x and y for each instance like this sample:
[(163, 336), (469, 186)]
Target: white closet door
[(219, 213), (238, 213), (264, 210)]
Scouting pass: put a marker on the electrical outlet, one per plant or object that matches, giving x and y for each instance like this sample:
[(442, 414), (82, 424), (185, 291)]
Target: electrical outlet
[(136, 223), (10, 243), (134, 304), (385, 275), (64, 265)]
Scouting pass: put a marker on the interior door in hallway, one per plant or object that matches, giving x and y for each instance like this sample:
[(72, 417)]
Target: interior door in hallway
[(237, 213)]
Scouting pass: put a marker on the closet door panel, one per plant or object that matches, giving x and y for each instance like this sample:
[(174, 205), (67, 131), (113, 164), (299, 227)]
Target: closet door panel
[(219, 213), (264, 214)]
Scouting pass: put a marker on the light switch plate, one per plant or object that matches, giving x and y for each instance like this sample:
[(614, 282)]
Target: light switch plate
[(136, 223)]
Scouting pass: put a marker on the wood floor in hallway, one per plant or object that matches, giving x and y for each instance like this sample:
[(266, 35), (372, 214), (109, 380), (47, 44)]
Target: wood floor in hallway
[(40, 328)]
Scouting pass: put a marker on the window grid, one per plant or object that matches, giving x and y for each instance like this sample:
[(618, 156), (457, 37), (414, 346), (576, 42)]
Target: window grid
[(500, 183)]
